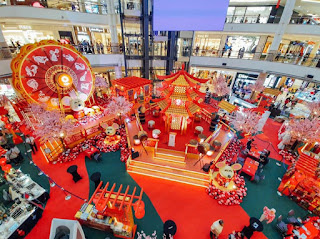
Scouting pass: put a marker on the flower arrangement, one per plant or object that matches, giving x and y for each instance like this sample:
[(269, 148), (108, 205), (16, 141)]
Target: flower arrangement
[(290, 157), (231, 152), (229, 198), (98, 142)]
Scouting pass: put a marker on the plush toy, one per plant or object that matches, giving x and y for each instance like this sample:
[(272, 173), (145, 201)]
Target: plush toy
[(110, 131), (226, 173), (76, 103)]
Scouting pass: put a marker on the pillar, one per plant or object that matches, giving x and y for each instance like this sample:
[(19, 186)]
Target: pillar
[(222, 43), (313, 53), (145, 26), (5, 52), (281, 27), (112, 19), (260, 47)]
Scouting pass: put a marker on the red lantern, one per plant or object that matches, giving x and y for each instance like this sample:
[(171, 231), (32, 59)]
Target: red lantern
[(3, 111), (4, 119), (8, 126), (139, 211), (7, 168), (3, 162)]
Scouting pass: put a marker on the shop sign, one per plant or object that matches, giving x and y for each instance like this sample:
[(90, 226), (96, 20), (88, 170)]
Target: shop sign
[(24, 27), (82, 33), (95, 29)]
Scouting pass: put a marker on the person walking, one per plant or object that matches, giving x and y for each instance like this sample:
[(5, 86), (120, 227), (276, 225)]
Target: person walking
[(30, 140), (3, 140), (13, 155), (229, 53), (216, 229), (249, 144)]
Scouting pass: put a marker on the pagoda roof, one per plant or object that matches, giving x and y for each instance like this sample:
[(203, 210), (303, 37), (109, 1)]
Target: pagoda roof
[(182, 78), (131, 82)]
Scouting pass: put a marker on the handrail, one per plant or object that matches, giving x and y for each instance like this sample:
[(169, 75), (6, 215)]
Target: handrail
[(138, 122), (228, 126), (127, 133)]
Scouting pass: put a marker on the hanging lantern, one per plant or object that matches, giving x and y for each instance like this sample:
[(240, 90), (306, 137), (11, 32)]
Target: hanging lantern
[(3, 111), (7, 168), (140, 211), (8, 126), (4, 119), (3, 162)]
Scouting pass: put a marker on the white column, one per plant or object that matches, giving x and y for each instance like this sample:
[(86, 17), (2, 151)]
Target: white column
[(112, 18), (260, 47), (222, 43), (313, 53), (281, 27)]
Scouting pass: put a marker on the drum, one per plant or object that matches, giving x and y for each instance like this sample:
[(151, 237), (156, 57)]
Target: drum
[(203, 148), (142, 135)]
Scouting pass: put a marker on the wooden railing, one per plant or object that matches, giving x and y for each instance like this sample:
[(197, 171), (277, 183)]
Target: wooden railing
[(206, 115)]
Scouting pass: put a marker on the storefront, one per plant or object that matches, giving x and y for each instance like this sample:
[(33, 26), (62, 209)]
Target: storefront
[(16, 35), (283, 47), (240, 46), (254, 14), (206, 43)]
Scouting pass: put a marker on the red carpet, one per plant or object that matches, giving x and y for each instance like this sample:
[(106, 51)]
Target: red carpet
[(191, 208), (268, 139), (57, 206)]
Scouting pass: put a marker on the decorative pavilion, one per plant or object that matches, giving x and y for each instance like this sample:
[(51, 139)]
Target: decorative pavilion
[(132, 88), (180, 99)]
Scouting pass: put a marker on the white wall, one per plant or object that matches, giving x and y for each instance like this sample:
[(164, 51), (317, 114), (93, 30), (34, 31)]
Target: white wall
[(106, 60), (32, 13), (276, 68), (5, 67)]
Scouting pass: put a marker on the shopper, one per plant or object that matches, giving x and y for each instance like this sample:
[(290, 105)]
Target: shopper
[(258, 19), (3, 139), (216, 229), (30, 140), (268, 215), (229, 53), (241, 52), (235, 235), (249, 144), (13, 155)]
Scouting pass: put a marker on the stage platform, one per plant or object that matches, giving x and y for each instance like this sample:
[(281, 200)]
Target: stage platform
[(170, 164)]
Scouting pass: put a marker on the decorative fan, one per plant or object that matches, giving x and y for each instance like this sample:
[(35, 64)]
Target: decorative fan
[(47, 71)]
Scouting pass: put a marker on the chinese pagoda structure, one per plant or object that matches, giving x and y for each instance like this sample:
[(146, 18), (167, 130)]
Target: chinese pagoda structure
[(180, 100)]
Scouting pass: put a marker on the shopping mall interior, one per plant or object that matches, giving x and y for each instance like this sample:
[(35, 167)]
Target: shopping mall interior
[(160, 119)]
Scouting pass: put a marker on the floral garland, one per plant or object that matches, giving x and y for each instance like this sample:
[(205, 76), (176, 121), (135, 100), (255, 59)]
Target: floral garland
[(290, 157), (229, 198), (231, 152), (86, 119), (98, 142)]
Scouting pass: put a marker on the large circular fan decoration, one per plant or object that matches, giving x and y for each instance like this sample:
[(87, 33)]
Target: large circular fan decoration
[(48, 71)]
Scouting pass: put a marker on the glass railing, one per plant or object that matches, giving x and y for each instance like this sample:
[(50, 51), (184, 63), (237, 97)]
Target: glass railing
[(294, 59), (75, 6), (10, 52), (305, 20)]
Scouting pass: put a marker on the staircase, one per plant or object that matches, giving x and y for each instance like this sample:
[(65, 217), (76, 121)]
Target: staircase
[(307, 164), (169, 173), (171, 156)]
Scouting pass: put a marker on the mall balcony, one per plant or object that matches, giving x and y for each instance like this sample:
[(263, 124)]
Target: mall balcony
[(301, 67)]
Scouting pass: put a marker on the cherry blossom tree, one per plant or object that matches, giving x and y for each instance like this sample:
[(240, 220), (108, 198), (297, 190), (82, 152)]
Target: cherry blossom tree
[(220, 86), (118, 106), (246, 122), (100, 84), (314, 108), (305, 130), (50, 124), (258, 85)]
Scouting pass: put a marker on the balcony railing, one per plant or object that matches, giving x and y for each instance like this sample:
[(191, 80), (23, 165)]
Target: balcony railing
[(289, 58)]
